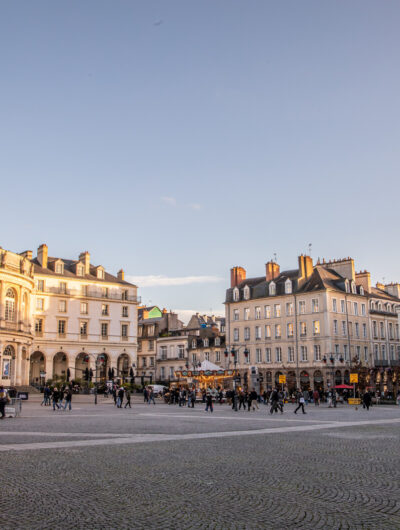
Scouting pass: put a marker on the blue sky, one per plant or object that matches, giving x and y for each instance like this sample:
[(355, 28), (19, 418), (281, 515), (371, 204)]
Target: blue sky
[(179, 138)]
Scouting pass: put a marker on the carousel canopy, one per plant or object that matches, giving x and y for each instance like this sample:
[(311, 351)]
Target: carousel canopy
[(209, 366)]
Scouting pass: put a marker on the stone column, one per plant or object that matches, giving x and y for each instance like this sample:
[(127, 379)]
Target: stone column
[(71, 365), (48, 367), (18, 365)]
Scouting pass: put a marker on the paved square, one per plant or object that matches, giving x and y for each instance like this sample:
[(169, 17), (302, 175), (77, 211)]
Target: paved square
[(170, 467)]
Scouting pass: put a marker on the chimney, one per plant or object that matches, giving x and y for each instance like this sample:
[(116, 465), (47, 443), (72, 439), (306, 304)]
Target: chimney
[(121, 275), (380, 286), (85, 258), (309, 267), (364, 279), (42, 254), (272, 271), (302, 267), (393, 289), (27, 254), (344, 267), (238, 275)]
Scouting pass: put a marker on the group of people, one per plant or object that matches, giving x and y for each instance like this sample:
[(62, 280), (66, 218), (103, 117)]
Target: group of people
[(119, 394), (60, 398)]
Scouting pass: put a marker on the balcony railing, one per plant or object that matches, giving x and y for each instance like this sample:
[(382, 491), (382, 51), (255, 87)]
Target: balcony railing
[(92, 293)]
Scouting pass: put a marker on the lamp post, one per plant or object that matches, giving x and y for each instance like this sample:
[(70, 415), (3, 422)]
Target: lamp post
[(234, 353), (98, 363), (332, 360)]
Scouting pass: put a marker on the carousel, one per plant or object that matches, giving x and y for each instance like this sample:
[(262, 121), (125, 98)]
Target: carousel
[(206, 375)]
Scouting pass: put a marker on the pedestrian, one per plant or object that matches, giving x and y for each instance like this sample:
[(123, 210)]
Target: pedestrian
[(301, 401), (68, 398), (316, 397), (128, 398), (242, 401), (274, 399), (150, 397), (281, 401), (145, 394), (55, 395), (4, 399), (367, 400), (114, 394), (209, 402), (253, 400), (120, 397)]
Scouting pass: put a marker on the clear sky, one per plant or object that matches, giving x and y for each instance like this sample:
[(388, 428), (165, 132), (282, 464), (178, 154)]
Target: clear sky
[(179, 138)]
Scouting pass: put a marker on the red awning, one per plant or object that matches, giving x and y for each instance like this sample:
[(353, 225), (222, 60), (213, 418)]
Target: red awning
[(349, 387)]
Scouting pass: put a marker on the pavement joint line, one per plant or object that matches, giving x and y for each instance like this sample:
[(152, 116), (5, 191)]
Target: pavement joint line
[(147, 438), (240, 418)]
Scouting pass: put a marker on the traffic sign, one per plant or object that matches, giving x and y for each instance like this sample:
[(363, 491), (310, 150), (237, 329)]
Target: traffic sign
[(282, 379), (353, 378)]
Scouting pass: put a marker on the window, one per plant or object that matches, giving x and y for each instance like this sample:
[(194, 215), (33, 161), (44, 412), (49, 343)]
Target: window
[(151, 342), (302, 307), (288, 287), (316, 327), (336, 349), (303, 353), (104, 309), (382, 330), (289, 330), (315, 305), (246, 333), (236, 314), (342, 306), (235, 335), (303, 329), (162, 372), (100, 273), (364, 326), (392, 352), (247, 359), (357, 329), (267, 332), (10, 306), (181, 351), (258, 355), (171, 350), (277, 310), (124, 295), (344, 328), (150, 330), (397, 332), (236, 294), (258, 313), (84, 308), (124, 310), (291, 354), (355, 308), (61, 327), (277, 331), (376, 351), (217, 341), (83, 327), (365, 353), (390, 331), (84, 290), (353, 288), (246, 293), (346, 352), (258, 332), (267, 355), (40, 285), (358, 349), (272, 289), (39, 304), (140, 331), (62, 306), (289, 309), (317, 352), (59, 268), (335, 327), (383, 350), (163, 353), (63, 287), (347, 286), (194, 358), (171, 372), (104, 330), (151, 361), (278, 355), (374, 329), (246, 313), (217, 356), (334, 305), (363, 310), (39, 326), (267, 311), (205, 343), (207, 355), (80, 270), (104, 292)]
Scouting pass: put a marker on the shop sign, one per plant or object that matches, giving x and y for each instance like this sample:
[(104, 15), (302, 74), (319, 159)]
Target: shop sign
[(354, 401), (282, 379)]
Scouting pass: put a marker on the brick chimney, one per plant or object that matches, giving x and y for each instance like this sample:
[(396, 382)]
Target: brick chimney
[(42, 254), (27, 254), (238, 275), (309, 267), (363, 278), (272, 270), (393, 289), (85, 258), (121, 275)]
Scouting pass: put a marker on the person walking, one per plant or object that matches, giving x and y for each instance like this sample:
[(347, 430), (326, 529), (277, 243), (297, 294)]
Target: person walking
[(367, 400), (120, 397), (68, 398), (4, 399), (242, 401), (274, 398), (301, 401), (55, 395), (128, 398), (316, 397), (209, 402), (253, 400), (150, 397), (281, 401)]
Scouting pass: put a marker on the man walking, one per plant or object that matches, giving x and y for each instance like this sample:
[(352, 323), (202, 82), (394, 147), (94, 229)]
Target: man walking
[(301, 399), (253, 400), (120, 398), (209, 402), (68, 398), (4, 399), (367, 400), (128, 398)]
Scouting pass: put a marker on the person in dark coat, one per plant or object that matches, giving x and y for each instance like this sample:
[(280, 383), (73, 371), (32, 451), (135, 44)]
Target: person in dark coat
[(367, 400), (209, 402)]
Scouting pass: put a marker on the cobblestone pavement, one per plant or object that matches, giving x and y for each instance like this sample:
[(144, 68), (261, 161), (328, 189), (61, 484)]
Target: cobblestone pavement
[(171, 467)]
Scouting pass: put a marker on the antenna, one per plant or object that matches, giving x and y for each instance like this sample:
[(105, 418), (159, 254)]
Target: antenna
[(275, 257), (309, 248)]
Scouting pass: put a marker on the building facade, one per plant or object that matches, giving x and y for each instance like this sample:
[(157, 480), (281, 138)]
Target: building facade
[(61, 316), (313, 324)]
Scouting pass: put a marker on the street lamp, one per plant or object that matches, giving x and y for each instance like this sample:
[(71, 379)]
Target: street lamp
[(331, 373), (234, 352)]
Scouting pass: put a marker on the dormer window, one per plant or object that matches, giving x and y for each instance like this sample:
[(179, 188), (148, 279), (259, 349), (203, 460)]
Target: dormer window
[(361, 290), (347, 286), (205, 343), (379, 307), (100, 273), (194, 343), (217, 341), (272, 289), (246, 293), (59, 267), (353, 288), (372, 306), (288, 287), (236, 294), (80, 270)]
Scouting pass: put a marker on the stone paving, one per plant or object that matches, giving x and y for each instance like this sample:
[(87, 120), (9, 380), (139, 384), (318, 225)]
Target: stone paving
[(169, 467)]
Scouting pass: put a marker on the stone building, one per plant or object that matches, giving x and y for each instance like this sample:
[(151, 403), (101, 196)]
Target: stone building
[(311, 324), (61, 316)]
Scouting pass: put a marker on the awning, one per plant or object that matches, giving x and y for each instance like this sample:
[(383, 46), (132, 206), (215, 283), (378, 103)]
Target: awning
[(342, 387)]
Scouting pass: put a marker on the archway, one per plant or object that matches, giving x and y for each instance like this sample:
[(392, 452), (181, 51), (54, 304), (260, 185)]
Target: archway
[(81, 363), (102, 366), (338, 377), (318, 381), (304, 380), (277, 383), (37, 366), (60, 366), (123, 365), (346, 377), (8, 368), (291, 381), (268, 380)]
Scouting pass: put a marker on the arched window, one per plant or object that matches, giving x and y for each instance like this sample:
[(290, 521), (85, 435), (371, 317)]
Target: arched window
[(9, 351), (288, 287), (362, 290), (353, 288), (347, 286), (272, 289), (246, 292), (372, 305), (236, 294), (10, 306)]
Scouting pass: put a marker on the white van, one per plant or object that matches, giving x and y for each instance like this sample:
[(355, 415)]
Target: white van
[(158, 390)]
